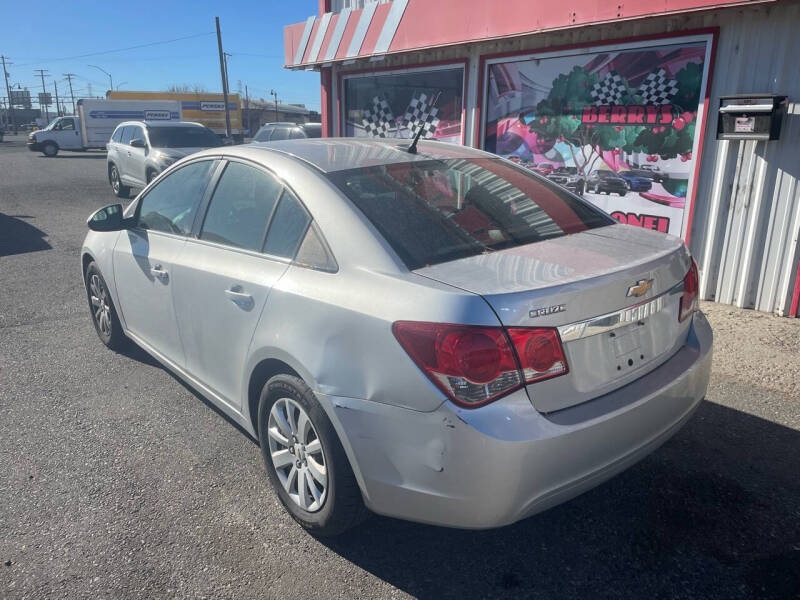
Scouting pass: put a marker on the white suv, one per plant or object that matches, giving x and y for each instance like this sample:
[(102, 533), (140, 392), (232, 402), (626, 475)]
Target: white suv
[(140, 150)]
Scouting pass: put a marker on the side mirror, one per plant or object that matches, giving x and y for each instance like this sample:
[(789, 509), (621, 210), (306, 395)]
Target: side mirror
[(108, 218), (138, 143)]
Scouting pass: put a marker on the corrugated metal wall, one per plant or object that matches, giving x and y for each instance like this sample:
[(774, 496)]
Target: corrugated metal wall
[(747, 216)]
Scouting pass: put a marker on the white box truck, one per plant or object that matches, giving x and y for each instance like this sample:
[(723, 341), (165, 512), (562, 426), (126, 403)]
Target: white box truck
[(95, 123)]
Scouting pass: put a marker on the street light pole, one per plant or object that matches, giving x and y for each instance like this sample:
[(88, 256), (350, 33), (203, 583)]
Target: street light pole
[(275, 95), (110, 80)]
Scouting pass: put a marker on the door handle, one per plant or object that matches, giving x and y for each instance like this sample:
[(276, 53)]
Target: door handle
[(240, 298), (159, 272)]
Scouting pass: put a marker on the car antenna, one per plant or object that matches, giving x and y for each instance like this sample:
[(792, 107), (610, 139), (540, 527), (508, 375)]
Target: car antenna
[(412, 149)]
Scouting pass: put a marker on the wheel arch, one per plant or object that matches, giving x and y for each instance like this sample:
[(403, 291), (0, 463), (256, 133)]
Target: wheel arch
[(259, 375)]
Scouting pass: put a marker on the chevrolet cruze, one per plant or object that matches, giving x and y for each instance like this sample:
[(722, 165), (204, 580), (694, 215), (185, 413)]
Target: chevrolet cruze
[(436, 335)]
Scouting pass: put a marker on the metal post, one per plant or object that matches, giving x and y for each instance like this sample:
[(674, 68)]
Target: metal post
[(44, 90), (247, 110), (8, 91), (58, 107), (275, 95), (224, 75), (110, 80), (69, 77)]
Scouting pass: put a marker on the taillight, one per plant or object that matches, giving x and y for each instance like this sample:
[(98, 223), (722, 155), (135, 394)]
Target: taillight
[(540, 353), (691, 284), (474, 365)]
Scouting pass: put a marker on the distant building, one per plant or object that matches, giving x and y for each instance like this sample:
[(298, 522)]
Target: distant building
[(258, 112)]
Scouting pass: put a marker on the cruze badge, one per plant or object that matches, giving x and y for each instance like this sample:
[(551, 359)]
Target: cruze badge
[(547, 310), (641, 288)]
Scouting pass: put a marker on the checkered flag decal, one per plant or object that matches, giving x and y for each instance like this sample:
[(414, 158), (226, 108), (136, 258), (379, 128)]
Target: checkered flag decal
[(609, 90), (379, 120), (420, 114), (657, 89)]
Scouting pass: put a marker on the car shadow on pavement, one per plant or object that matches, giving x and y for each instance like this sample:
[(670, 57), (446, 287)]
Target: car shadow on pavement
[(17, 236), (135, 352), (60, 155), (715, 513)]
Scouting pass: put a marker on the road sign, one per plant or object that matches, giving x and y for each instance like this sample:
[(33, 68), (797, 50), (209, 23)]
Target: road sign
[(21, 98), (45, 99)]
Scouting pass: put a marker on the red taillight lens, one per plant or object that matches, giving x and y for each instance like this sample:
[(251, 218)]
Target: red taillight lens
[(691, 283), (540, 353), (474, 365)]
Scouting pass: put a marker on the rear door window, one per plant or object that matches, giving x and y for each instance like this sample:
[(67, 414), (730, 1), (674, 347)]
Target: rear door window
[(171, 205), (441, 210), (241, 207), (287, 228)]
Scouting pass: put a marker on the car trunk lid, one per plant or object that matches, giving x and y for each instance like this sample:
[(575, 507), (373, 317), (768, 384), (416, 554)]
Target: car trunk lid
[(580, 284)]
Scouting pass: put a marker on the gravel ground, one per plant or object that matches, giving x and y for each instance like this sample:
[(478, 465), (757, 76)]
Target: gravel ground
[(120, 482)]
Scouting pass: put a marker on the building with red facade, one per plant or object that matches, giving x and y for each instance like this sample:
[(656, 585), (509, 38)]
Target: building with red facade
[(691, 102)]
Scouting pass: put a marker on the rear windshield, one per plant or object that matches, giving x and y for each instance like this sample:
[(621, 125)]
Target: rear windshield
[(441, 210), (182, 137)]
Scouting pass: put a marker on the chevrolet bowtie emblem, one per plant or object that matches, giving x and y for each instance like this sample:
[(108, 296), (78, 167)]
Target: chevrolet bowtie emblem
[(641, 288)]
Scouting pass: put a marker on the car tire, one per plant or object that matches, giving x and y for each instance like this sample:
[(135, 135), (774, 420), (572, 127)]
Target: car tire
[(101, 306), (581, 189), (150, 175), (621, 193), (339, 505), (120, 191), (596, 189), (50, 149)]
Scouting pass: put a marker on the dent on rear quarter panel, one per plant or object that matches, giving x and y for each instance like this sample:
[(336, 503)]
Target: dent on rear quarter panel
[(338, 326)]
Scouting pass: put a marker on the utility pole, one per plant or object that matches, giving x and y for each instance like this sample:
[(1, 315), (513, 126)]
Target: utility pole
[(44, 90), (8, 91), (224, 73), (69, 77), (247, 110), (275, 95), (58, 106), (89, 86)]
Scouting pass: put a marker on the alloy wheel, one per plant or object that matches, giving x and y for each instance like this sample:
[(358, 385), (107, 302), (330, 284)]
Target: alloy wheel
[(297, 454), (114, 180), (101, 308)]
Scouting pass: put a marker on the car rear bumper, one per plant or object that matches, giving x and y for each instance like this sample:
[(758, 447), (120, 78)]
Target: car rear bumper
[(503, 462)]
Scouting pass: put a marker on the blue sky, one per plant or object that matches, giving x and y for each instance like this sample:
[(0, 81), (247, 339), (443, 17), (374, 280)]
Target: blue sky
[(42, 35)]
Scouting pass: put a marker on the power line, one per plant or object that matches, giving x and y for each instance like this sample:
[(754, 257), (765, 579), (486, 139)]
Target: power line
[(187, 37)]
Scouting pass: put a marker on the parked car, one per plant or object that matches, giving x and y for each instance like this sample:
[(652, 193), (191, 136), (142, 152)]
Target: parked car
[(93, 125), (139, 150), (656, 174), (441, 336), (606, 182), (2, 133), (544, 169), (570, 178), (637, 182), (272, 132)]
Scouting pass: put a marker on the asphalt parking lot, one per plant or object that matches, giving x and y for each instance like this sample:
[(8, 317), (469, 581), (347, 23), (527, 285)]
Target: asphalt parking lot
[(118, 481)]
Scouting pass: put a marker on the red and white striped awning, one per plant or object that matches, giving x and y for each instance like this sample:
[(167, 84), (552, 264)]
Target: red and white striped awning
[(379, 29)]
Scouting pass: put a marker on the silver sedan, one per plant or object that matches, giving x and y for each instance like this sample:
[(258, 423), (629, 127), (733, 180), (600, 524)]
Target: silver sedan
[(437, 335)]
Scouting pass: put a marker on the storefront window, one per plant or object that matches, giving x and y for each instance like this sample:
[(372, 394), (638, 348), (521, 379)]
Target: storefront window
[(397, 105), (619, 126)]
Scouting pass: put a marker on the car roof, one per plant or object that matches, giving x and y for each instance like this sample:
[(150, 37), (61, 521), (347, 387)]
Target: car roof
[(161, 123), (338, 154)]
